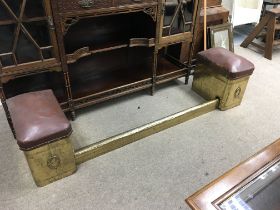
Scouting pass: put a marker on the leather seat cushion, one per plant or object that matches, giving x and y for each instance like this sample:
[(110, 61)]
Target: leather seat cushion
[(226, 63), (37, 119)]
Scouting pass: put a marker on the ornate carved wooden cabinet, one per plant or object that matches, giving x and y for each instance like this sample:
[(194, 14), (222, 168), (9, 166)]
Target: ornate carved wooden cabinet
[(90, 51)]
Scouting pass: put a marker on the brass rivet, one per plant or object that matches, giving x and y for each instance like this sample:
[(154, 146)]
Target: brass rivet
[(53, 162)]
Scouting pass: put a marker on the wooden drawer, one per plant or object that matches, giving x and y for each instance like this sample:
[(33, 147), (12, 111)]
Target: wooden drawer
[(81, 5), (134, 2), (65, 6)]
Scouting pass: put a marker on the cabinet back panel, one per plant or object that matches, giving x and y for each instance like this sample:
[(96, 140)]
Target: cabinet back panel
[(108, 70), (98, 31), (42, 81), (103, 63)]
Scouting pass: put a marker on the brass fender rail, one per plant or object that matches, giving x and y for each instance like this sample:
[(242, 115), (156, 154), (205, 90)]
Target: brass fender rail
[(94, 150)]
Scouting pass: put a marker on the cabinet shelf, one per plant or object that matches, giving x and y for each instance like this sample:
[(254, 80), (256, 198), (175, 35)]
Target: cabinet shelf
[(86, 51), (111, 84), (102, 33), (107, 71)]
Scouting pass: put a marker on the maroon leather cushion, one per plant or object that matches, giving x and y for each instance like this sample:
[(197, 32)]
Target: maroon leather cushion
[(227, 63), (37, 119)]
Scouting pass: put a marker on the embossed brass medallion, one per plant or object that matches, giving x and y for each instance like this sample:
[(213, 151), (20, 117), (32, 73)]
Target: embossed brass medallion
[(53, 162)]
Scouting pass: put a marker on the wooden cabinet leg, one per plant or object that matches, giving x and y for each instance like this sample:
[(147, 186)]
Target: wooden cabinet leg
[(187, 79), (73, 115), (153, 90)]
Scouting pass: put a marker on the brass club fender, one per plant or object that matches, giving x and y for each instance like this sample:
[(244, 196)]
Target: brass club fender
[(48, 166), (48, 162)]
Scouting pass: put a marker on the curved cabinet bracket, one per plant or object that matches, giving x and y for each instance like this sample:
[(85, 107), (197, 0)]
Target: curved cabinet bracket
[(152, 12), (67, 22), (72, 58)]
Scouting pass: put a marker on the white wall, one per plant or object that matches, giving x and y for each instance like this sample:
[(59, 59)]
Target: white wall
[(250, 4), (243, 11)]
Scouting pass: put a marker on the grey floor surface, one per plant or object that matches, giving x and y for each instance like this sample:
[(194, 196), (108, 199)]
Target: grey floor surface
[(160, 171)]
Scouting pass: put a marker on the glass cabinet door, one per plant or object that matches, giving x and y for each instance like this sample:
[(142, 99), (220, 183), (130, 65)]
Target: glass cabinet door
[(177, 20), (26, 33)]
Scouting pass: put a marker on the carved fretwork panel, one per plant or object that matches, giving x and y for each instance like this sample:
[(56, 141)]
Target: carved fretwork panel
[(178, 16), (24, 32)]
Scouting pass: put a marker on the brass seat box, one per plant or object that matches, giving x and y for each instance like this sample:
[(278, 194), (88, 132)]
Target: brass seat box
[(222, 74), (42, 131)]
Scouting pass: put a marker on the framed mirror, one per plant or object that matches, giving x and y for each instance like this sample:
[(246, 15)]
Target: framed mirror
[(221, 36)]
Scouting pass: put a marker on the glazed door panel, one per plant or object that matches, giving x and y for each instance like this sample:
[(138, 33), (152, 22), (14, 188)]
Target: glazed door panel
[(177, 20), (26, 34)]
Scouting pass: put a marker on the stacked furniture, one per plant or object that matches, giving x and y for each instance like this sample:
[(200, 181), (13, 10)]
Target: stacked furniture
[(91, 51), (216, 15), (266, 3), (268, 29)]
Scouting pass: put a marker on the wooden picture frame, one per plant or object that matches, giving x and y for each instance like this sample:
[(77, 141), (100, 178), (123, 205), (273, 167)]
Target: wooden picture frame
[(221, 36), (209, 197)]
